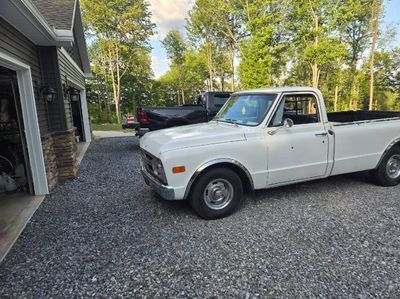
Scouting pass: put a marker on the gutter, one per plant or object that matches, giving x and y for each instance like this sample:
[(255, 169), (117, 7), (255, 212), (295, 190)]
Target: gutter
[(35, 27), (37, 15), (64, 36), (28, 10)]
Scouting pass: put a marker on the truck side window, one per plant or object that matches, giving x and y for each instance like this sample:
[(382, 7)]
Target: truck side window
[(301, 108), (200, 100), (220, 99)]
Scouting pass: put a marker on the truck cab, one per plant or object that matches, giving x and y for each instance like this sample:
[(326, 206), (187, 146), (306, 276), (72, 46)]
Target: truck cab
[(213, 101)]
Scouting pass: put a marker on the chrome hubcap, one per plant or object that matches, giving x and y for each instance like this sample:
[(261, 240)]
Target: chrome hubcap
[(393, 167), (218, 194)]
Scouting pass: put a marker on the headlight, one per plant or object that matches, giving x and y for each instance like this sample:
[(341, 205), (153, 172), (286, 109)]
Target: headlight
[(154, 166), (158, 171)]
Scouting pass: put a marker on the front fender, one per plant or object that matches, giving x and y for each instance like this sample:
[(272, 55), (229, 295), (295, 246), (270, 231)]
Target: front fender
[(219, 161)]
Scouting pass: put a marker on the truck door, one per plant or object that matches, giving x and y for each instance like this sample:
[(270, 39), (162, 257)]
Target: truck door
[(299, 152)]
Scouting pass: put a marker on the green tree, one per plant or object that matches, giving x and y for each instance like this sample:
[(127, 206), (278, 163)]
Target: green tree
[(195, 74), (314, 24), (387, 79), (264, 52), (122, 29), (175, 47), (201, 27), (219, 26), (376, 12), (333, 45), (136, 85), (190, 79), (352, 24), (98, 90)]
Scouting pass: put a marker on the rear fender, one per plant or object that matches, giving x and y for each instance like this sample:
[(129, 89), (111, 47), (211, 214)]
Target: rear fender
[(391, 144)]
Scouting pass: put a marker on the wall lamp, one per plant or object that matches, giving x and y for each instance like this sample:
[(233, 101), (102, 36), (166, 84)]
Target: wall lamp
[(48, 93), (74, 95), (70, 93)]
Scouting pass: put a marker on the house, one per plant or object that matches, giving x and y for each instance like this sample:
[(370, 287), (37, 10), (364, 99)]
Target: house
[(43, 108)]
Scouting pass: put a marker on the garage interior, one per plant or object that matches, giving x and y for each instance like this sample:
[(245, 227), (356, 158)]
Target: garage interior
[(16, 202), (14, 163)]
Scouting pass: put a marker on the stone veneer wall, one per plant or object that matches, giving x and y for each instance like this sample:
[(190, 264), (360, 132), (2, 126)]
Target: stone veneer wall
[(50, 161), (65, 150), (59, 150)]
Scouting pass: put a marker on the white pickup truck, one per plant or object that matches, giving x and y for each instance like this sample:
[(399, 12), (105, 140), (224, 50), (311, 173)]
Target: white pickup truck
[(266, 138)]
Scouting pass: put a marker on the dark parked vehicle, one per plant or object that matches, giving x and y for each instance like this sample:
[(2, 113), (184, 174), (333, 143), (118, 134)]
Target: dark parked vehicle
[(207, 106), (130, 123)]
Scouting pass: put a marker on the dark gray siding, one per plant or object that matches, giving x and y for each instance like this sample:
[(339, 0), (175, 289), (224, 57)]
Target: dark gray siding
[(51, 78), (74, 53), (73, 75), (17, 45)]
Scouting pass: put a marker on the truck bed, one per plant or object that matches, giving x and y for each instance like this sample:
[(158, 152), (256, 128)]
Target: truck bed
[(345, 117), (175, 110)]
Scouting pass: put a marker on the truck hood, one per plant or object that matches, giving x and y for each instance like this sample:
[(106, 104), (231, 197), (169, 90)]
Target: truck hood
[(161, 141)]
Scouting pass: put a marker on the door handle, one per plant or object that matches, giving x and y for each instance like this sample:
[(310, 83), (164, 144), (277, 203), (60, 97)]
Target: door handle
[(321, 134)]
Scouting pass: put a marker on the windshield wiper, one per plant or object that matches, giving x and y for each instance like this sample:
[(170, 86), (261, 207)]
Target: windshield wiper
[(231, 120)]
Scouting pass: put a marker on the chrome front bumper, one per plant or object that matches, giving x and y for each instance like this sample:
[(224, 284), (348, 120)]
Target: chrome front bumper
[(164, 191)]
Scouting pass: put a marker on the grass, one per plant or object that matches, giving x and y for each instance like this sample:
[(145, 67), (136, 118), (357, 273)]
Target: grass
[(106, 127)]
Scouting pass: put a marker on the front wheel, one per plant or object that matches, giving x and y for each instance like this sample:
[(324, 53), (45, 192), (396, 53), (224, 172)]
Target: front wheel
[(216, 193), (388, 171)]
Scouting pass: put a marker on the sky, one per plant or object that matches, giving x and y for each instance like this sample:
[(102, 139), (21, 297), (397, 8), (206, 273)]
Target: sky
[(167, 15), (171, 14)]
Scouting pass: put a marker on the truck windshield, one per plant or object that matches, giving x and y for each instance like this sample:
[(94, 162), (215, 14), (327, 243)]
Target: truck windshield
[(246, 109)]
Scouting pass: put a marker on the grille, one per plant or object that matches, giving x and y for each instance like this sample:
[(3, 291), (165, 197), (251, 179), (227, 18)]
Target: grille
[(150, 164)]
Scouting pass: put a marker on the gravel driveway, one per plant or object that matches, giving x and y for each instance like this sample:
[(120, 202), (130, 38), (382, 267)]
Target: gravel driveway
[(106, 234)]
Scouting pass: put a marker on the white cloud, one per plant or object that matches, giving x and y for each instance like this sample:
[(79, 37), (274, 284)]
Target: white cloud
[(169, 14)]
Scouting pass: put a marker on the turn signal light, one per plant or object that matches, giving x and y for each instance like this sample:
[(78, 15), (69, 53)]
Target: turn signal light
[(178, 169)]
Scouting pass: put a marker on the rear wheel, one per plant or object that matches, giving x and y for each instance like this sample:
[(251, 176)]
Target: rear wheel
[(216, 193), (388, 171)]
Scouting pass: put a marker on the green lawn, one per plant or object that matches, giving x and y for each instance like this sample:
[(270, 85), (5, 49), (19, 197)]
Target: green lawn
[(106, 127)]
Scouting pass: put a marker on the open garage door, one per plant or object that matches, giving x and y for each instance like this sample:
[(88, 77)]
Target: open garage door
[(14, 159)]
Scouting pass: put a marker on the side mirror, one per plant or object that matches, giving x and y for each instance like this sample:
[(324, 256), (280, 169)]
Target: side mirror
[(287, 123)]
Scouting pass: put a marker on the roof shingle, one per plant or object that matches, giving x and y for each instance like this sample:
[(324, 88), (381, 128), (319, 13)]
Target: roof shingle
[(57, 13)]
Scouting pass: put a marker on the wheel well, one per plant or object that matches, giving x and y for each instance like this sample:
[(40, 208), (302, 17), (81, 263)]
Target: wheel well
[(247, 184), (397, 144)]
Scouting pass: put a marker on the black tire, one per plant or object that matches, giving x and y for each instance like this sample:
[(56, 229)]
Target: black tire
[(382, 175), (222, 180)]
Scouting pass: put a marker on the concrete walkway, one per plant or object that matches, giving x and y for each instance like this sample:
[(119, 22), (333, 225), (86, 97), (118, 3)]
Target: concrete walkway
[(81, 150), (15, 212), (107, 134)]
